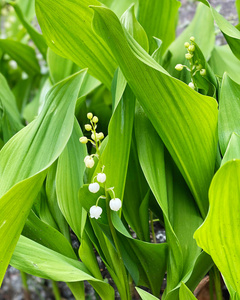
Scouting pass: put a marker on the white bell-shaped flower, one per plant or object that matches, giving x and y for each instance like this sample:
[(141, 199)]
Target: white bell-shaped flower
[(89, 162), (95, 212), (94, 187), (115, 204), (101, 177)]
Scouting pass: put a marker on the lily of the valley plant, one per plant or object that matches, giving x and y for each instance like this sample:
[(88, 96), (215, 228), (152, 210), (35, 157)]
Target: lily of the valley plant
[(111, 129)]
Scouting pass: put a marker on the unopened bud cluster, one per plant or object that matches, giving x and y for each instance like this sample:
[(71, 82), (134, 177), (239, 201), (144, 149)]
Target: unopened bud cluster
[(95, 139), (194, 66)]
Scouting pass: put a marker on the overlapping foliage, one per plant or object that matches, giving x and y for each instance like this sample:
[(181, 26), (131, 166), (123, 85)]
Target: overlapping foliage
[(171, 152)]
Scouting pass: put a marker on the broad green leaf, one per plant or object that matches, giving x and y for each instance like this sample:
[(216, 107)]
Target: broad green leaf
[(158, 18), (205, 38), (52, 203), (69, 179), (23, 54), (38, 260), (185, 293), (233, 149), (10, 122), (231, 33), (42, 233), (68, 31), (145, 295), (116, 154), (219, 234), (229, 110), (34, 34), (28, 8), (172, 196), (27, 155), (119, 7), (185, 120), (59, 67), (130, 22), (222, 60)]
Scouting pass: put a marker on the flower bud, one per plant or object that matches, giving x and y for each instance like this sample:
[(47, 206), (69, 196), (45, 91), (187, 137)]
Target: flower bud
[(89, 115), (191, 48), (94, 187), (13, 64), (115, 204), (100, 136), (198, 67), (188, 56), (203, 72), (192, 38), (93, 137), (95, 212), (101, 177), (186, 45), (88, 127), (83, 140), (179, 67), (95, 119), (191, 85), (89, 162)]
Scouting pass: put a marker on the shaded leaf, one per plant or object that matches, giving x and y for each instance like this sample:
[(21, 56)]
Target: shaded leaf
[(145, 295), (23, 54), (38, 260), (229, 110), (158, 18)]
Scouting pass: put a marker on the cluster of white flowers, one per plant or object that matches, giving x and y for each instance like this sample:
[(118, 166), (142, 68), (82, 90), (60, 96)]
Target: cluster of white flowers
[(94, 187), (195, 66), (114, 204)]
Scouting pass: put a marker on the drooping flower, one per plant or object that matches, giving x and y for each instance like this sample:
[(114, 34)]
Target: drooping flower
[(115, 204), (95, 212), (101, 177), (94, 187), (89, 162)]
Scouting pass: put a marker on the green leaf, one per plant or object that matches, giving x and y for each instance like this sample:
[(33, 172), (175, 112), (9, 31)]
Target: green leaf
[(168, 185), (233, 149), (219, 234), (41, 233), (205, 39), (34, 34), (11, 121), (40, 261), (231, 34), (237, 3), (52, 203), (69, 179), (23, 54), (162, 22), (145, 295), (229, 110), (68, 31), (185, 293), (27, 155), (130, 22), (189, 133), (119, 7), (222, 60)]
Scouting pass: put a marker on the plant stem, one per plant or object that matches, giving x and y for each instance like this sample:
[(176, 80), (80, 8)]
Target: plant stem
[(152, 227), (126, 288), (217, 283), (56, 291), (25, 285)]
